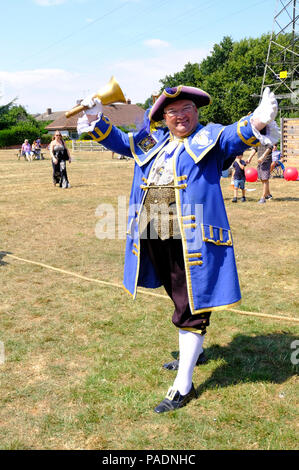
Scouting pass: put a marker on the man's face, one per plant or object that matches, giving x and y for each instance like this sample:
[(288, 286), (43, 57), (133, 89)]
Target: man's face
[(181, 117)]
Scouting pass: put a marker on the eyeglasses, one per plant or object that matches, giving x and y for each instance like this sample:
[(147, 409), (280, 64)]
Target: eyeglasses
[(174, 112)]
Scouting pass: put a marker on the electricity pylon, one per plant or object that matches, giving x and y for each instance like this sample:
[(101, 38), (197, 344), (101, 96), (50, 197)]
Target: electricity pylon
[(281, 72)]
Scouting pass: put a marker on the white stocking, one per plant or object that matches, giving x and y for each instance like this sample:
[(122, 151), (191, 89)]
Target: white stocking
[(190, 345)]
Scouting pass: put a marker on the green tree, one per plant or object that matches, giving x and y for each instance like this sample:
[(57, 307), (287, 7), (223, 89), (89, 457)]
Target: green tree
[(232, 74), (218, 58), (187, 77), (234, 82), (16, 124)]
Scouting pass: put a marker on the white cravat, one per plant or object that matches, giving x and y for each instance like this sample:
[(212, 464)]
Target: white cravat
[(162, 171)]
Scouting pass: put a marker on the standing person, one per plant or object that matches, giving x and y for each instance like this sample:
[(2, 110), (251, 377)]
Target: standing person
[(60, 155), (239, 178), (181, 165), (26, 150), (264, 154)]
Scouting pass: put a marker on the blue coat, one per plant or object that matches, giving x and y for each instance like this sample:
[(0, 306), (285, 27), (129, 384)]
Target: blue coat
[(198, 161)]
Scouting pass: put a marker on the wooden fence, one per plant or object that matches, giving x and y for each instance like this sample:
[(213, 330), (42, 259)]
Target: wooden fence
[(87, 146), (289, 143)]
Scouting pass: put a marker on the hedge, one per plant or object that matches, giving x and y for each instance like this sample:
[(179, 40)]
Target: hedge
[(16, 135), (46, 138)]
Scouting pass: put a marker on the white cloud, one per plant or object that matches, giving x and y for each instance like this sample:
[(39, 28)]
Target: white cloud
[(59, 89), (147, 72), (36, 77), (42, 88), (156, 43)]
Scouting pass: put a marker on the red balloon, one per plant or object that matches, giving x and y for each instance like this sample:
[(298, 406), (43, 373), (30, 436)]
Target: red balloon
[(290, 173), (251, 174)]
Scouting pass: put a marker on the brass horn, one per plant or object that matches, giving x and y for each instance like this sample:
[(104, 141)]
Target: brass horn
[(110, 93)]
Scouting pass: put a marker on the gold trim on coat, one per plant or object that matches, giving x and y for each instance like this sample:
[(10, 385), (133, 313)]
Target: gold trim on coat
[(151, 154), (102, 135), (204, 152), (249, 141)]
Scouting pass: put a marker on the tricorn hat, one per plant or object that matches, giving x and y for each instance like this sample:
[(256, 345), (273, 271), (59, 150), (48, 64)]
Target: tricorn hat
[(181, 92)]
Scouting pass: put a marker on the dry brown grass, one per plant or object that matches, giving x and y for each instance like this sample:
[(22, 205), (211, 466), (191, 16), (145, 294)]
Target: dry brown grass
[(83, 361)]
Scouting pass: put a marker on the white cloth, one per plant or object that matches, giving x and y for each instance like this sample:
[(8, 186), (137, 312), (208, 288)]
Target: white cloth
[(272, 135), (94, 108), (162, 171), (190, 345), (275, 156), (266, 113)]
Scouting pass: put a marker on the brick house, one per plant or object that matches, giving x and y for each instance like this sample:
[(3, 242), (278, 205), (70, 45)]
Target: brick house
[(126, 115)]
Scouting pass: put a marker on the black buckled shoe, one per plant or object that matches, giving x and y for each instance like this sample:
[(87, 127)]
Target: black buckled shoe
[(175, 400), (174, 365)]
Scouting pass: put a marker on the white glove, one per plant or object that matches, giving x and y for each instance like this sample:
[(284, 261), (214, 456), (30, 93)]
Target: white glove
[(272, 135), (83, 125), (267, 109), (94, 105), (94, 108)]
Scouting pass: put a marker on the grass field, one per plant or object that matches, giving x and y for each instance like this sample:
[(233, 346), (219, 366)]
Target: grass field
[(81, 367)]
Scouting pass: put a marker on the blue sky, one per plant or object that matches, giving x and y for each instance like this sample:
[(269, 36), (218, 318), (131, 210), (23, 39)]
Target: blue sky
[(54, 52)]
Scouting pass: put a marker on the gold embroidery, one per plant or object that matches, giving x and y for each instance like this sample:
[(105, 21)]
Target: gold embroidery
[(216, 242), (194, 255), (156, 186), (197, 158), (102, 135), (151, 153), (249, 141)]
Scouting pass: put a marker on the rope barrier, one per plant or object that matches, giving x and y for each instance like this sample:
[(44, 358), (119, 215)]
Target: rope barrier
[(141, 291)]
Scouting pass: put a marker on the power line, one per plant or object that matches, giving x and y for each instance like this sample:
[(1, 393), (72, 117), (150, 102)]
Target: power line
[(175, 20), (170, 20), (224, 17), (281, 70), (75, 32)]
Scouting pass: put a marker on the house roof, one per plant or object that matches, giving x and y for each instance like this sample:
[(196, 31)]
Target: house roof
[(119, 115), (48, 116)]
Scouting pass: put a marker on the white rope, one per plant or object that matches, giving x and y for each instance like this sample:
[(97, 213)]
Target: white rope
[(141, 291)]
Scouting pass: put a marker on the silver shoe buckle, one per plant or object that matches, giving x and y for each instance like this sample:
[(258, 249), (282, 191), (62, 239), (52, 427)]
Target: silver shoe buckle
[(171, 393)]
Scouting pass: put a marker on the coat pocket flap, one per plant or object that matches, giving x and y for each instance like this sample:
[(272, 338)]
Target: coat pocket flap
[(216, 235)]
